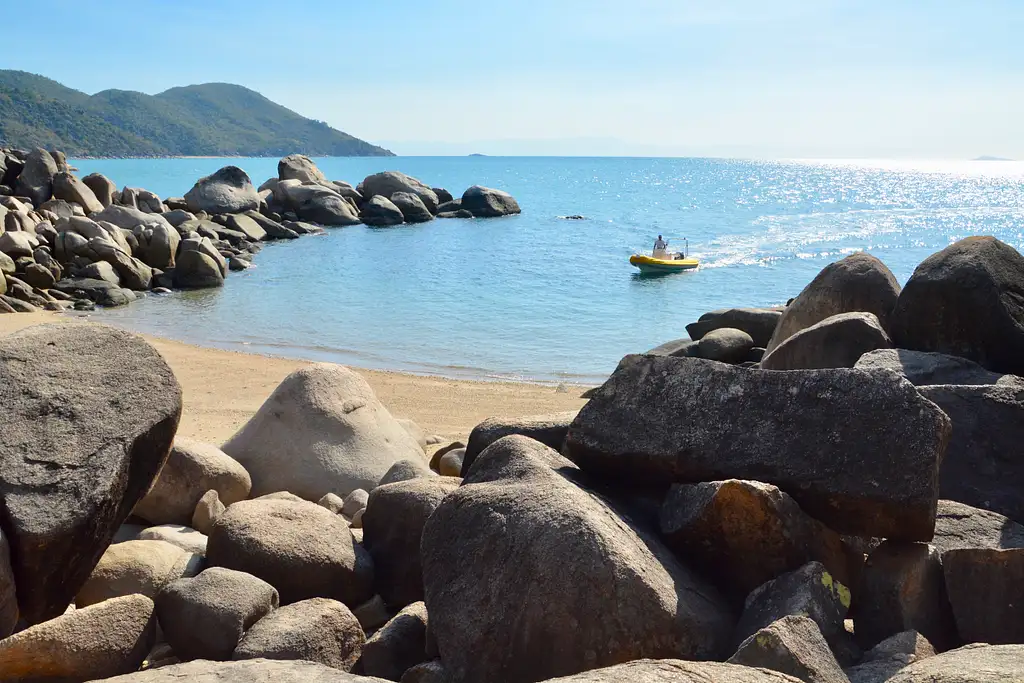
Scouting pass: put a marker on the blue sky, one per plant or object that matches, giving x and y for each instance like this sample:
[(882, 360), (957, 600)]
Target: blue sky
[(771, 78)]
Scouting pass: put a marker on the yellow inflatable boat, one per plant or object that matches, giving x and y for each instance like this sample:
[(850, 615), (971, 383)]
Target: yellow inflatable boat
[(649, 264)]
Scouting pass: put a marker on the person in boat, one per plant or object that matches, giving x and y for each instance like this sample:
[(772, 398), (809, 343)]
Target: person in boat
[(660, 248)]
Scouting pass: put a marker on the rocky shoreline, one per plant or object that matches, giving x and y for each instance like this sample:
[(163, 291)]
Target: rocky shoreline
[(77, 243), (855, 514)]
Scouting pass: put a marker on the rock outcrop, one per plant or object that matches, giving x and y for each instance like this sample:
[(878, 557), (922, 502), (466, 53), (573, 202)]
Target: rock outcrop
[(229, 190)]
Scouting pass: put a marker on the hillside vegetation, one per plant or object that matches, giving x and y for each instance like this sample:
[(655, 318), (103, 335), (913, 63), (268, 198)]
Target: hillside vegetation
[(213, 119)]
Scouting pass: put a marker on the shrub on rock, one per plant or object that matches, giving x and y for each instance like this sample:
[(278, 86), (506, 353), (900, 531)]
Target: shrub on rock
[(192, 469), (301, 549), (541, 549), (321, 431), (316, 630), (859, 282), (71, 479), (965, 301)]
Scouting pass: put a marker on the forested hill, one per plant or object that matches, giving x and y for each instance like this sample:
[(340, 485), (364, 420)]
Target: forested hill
[(213, 119)]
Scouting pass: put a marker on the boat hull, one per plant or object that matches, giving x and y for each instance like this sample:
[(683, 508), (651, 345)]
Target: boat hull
[(651, 265)]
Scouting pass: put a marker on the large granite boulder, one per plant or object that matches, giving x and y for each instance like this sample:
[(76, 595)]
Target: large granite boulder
[(380, 211), (192, 469), (902, 588), (961, 526), (316, 630), (392, 527), (71, 189), (982, 467), (412, 207), (205, 617), (485, 202), (87, 644), (185, 537), (858, 450), (726, 345), (677, 671), (745, 533), (197, 269), (129, 218), (102, 292), (158, 245), (541, 548), (388, 183), (986, 590), (321, 431), (792, 645), (759, 323), (836, 342), (965, 301), (86, 426), (229, 190), (300, 167), (103, 188), (550, 429), (923, 368), (398, 645), (271, 228), (36, 179), (971, 664), (859, 282), (259, 671), (246, 225), (317, 203), (136, 566), (300, 548)]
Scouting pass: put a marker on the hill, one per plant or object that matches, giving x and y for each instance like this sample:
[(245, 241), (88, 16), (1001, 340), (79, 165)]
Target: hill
[(213, 119)]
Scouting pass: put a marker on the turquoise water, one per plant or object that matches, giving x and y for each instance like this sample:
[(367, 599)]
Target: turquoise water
[(538, 297)]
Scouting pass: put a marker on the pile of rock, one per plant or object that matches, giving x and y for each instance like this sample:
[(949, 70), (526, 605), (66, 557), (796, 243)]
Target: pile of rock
[(68, 242), (695, 521)]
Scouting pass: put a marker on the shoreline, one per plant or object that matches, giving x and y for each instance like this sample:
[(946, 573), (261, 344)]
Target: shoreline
[(223, 388)]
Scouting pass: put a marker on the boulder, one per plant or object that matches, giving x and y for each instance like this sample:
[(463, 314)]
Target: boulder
[(178, 217), (981, 467), (836, 342), (412, 207), (18, 244), (206, 246), (964, 301), (719, 527), (192, 469), (927, 368), (759, 323), (185, 537), (87, 644), (541, 549), (102, 188), (354, 502), (404, 470), (986, 590), (272, 228), (331, 502), (208, 509), (874, 472), (859, 282), (427, 672), (792, 645), (256, 671), (36, 179), (246, 225), (133, 273), (971, 664), (229, 190), (902, 588), (71, 189), (890, 656), (962, 526), (38, 277), (321, 431), (7, 266), (726, 344), (300, 167), (484, 202), (392, 527), (389, 182), (101, 292), (380, 211), (681, 348), (674, 671), (452, 462), (317, 203), (809, 591), (206, 616), (316, 630), (549, 429), (129, 218), (158, 245), (111, 408), (196, 270), (399, 645), (8, 591), (136, 566), (301, 549)]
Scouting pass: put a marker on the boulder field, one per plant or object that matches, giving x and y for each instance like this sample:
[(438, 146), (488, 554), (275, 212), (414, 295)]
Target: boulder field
[(77, 243), (847, 509)]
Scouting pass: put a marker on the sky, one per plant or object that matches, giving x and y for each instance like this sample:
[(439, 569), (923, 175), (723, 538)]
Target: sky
[(736, 78)]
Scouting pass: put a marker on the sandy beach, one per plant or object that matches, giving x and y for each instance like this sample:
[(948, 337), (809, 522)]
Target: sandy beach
[(222, 389)]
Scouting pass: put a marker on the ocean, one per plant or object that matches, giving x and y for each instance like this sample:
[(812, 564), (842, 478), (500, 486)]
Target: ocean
[(542, 298)]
